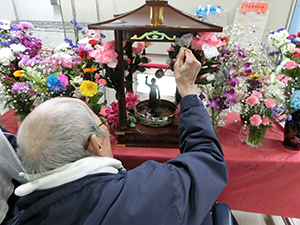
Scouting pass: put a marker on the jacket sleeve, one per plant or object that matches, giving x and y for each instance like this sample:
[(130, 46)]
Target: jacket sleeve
[(199, 174)]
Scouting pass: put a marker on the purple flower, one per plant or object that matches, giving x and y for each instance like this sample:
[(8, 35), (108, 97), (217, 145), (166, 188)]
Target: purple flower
[(277, 31), (25, 25), (213, 104), (83, 47), (274, 52), (202, 96), (69, 41), (55, 84), (233, 67), (22, 87), (230, 95), (241, 55), (247, 64), (74, 21)]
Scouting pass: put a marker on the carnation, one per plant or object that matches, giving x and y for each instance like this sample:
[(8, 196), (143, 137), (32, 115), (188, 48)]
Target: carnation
[(6, 56)]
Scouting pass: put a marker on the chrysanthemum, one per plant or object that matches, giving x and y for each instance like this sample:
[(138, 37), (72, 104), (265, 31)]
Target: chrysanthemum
[(88, 88)]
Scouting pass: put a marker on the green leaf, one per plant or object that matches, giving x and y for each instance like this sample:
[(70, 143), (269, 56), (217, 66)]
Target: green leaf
[(207, 70)]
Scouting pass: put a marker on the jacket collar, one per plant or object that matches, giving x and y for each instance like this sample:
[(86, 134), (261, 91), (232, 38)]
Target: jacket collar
[(68, 173)]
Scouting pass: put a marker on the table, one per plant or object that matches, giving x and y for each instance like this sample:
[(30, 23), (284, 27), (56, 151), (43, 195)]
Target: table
[(264, 180)]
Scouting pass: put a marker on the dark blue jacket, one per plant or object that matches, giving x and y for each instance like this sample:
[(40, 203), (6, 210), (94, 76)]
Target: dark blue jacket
[(180, 191)]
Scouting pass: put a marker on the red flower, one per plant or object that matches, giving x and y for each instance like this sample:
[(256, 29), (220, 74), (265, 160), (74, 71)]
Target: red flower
[(6, 78), (224, 39), (298, 35), (297, 56), (82, 54), (93, 42), (291, 35)]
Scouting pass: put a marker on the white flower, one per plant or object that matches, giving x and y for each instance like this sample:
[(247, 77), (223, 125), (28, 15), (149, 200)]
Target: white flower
[(64, 47), (16, 48), (6, 56), (77, 80), (209, 76), (5, 24), (282, 64), (210, 52), (84, 41), (185, 40)]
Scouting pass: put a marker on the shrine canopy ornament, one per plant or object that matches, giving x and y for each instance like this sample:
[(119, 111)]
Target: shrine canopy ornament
[(155, 21)]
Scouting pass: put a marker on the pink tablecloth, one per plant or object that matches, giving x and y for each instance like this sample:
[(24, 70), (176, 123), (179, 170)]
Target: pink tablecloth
[(264, 180)]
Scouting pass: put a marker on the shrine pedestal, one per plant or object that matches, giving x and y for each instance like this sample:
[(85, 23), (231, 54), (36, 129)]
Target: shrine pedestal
[(143, 136)]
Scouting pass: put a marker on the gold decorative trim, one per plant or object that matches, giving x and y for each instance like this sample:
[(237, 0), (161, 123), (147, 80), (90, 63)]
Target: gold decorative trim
[(154, 36)]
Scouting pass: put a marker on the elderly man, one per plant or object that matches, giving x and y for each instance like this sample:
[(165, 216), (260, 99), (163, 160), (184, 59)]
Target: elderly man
[(74, 179)]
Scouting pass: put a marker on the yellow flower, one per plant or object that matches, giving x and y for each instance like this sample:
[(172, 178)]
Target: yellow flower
[(18, 73), (255, 75), (88, 70), (88, 88)]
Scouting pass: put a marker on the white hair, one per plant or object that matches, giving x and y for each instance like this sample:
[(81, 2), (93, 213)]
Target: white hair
[(54, 134)]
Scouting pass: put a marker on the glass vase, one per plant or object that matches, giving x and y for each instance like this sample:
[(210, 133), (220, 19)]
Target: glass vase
[(292, 132), (222, 118), (253, 136)]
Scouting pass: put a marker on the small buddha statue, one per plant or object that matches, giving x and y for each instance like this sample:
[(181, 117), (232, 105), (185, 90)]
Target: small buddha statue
[(154, 96)]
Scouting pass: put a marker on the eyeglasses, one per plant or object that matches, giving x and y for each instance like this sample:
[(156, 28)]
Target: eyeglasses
[(103, 122)]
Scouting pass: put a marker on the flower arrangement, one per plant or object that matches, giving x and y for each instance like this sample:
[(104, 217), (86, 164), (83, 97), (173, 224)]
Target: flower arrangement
[(223, 61), (289, 67), (76, 70), (258, 98), (17, 45)]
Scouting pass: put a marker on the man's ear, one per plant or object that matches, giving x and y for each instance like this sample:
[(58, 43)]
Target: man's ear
[(95, 145)]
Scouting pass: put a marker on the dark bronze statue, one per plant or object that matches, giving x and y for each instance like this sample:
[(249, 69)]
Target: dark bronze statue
[(154, 96)]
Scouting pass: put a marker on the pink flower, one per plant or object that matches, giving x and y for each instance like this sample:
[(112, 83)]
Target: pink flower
[(283, 78), (256, 94), (102, 81), (252, 100), (105, 56), (139, 49), (110, 45), (196, 43), (171, 49), (291, 65), (266, 121), (63, 79), (67, 63), (241, 95), (112, 114), (147, 44), (295, 50), (255, 120), (93, 34), (269, 103), (206, 35), (128, 60), (131, 100)]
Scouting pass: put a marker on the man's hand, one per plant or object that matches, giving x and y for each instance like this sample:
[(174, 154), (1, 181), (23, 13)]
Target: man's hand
[(186, 69)]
